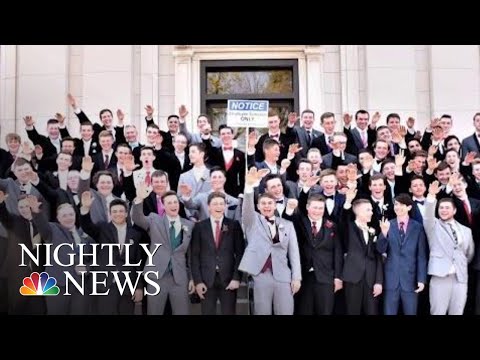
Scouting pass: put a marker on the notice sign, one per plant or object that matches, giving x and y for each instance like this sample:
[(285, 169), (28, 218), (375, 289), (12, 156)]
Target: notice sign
[(247, 113)]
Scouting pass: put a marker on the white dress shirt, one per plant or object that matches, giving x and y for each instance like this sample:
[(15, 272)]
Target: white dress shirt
[(364, 229), (227, 155), (86, 146), (62, 179), (181, 158), (57, 144), (198, 172)]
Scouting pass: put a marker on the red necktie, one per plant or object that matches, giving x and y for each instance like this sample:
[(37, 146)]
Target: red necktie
[(467, 211), (314, 228), (106, 162), (217, 234), (148, 178)]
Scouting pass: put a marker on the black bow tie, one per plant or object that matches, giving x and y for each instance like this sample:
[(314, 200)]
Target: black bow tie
[(421, 202), (271, 221), (280, 201), (328, 197)]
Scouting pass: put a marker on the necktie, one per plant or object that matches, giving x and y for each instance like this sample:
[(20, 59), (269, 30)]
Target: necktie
[(402, 233), (160, 207), (217, 233), (271, 221), (328, 196), (120, 177), (309, 137), (23, 189), (280, 201), (467, 211), (148, 178), (314, 228), (392, 149), (364, 139), (454, 234), (173, 238), (76, 237), (225, 148), (106, 162), (276, 136), (420, 202)]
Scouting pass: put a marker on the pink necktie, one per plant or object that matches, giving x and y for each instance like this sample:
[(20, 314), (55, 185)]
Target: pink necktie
[(160, 207), (364, 139)]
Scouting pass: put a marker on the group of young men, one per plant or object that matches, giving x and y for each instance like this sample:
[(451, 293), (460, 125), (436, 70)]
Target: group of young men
[(372, 219)]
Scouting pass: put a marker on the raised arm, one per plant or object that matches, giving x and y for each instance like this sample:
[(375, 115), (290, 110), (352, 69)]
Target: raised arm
[(252, 179), (40, 219), (138, 216), (86, 220)]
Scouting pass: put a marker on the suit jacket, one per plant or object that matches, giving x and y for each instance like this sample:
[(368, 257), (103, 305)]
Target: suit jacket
[(99, 163), (260, 245), (322, 252), (158, 229), (150, 205), (331, 162), (406, 264), (98, 211), (339, 201), (302, 138), (207, 259), (470, 143), (106, 233), (169, 163), (293, 189), (203, 185), (200, 203), (354, 139), (56, 234), (443, 251), (48, 148), (362, 261), (321, 144), (236, 172), (6, 161), (97, 129), (285, 140)]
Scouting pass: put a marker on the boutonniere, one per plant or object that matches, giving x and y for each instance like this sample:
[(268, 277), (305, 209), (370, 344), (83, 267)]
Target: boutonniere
[(328, 224), (131, 241), (94, 145), (224, 228), (371, 233), (237, 159), (203, 178), (185, 228), (55, 173), (84, 236), (281, 226), (385, 207)]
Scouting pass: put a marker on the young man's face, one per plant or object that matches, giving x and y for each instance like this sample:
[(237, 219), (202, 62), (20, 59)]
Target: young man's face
[(122, 153), (159, 184), (24, 209), (64, 161), (308, 120), (86, 132), (173, 125), (393, 124), (273, 153), (171, 205), (414, 146), (106, 143), (53, 131), (443, 175), (217, 180), (304, 171), (147, 158), (418, 188), (446, 124), (377, 188), (68, 146), (216, 207), (362, 121), (66, 217), (195, 155), (73, 180), (274, 187), (131, 134), (118, 214), (107, 119), (152, 134), (202, 121), (267, 206), (316, 209), (226, 136), (274, 123), (329, 124), (389, 171), (446, 211), (105, 185), (329, 184), (180, 143), (401, 210), (13, 145), (363, 212), (23, 173)]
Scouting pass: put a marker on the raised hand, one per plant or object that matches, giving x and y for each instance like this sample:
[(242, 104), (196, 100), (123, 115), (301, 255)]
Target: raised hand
[(120, 116), (375, 118), (38, 151), (350, 195), (34, 203), (87, 199), (254, 176), (143, 191), (33, 176), (252, 139), (149, 109), (432, 150), (182, 111), (377, 290), (352, 171), (311, 181), (470, 157), (129, 163), (294, 148), (295, 285), (432, 163), (87, 163), (72, 101), (434, 188), (60, 118), (411, 165), (285, 164), (384, 226), (28, 120), (437, 133), (410, 122), (400, 158), (347, 120), (434, 123), (292, 204)]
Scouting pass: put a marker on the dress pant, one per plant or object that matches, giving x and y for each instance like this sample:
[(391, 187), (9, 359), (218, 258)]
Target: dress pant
[(228, 299)]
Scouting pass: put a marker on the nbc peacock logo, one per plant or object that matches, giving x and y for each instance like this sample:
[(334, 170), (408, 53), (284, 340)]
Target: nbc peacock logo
[(39, 285)]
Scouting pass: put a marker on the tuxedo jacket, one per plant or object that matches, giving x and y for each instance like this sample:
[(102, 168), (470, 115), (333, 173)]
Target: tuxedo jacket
[(207, 259), (48, 148), (284, 140), (322, 252), (362, 260), (354, 139), (235, 170)]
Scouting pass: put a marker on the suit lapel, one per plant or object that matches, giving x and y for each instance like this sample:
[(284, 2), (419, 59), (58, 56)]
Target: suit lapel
[(308, 229), (357, 138), (166, 224)]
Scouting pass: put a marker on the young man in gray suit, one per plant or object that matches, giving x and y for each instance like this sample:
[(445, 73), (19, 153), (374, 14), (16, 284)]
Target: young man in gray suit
[(451, 249), (198, 178), (272, 245), (172, 235)]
